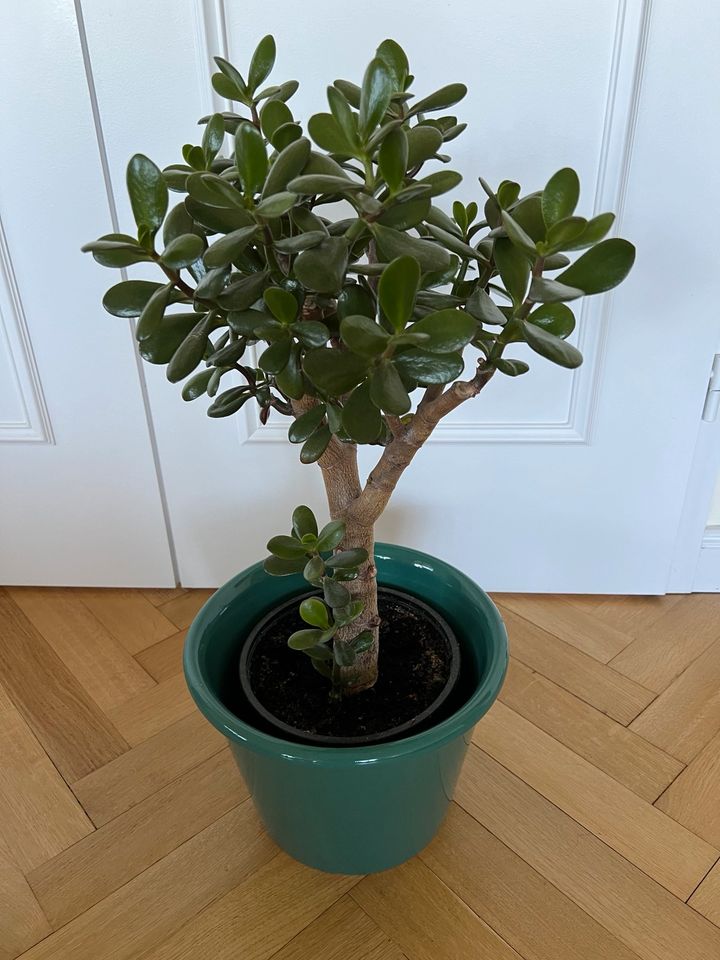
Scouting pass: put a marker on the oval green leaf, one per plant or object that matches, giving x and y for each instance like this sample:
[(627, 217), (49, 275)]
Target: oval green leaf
[(397, 288), (603, 267), (304, 522), (287, 164), (555, 318), (364, 336), (304, 639), (305, 425), (322, 268), (250, 158), (393, 244), (314, 612), (262, 62), (148, 192), (514, 268), (190, 352), (448, 330), (552, 348), (361, 419), (444, 97), (429, 368), (315, 446), (375, 94), (560, 196), (335, 372), (224, 251), (129, 298), (387, 389), (183, 250)]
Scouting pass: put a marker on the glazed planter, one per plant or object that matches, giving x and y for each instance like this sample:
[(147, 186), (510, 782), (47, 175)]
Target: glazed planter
[(351, 810)]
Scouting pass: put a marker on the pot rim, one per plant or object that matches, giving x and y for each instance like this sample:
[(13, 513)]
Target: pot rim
[(453, 726)]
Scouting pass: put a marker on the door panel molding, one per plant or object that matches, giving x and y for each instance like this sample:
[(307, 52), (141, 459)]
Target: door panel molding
[(114, 219), (627, 62), (29, 422)]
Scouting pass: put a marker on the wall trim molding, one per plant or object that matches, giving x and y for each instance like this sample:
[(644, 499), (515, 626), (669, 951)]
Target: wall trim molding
[(210, 40), (35, 425), (627, 63), (112, 209), (627, 72), (707, 573), (520, 432)]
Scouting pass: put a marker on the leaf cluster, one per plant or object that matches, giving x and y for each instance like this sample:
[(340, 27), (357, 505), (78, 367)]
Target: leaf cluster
[(266, 296)]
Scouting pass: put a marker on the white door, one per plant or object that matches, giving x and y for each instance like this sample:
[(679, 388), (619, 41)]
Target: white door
[(79, 494), (558, 481)]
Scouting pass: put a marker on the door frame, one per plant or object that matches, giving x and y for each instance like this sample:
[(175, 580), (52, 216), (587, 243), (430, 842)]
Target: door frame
[(696, 562)]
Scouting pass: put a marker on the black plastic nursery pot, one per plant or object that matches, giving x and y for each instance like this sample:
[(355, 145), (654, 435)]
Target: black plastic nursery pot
[(413, 635), (349, 809)]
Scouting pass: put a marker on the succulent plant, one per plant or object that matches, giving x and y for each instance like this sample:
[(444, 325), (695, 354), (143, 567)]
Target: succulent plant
[(319, 277)]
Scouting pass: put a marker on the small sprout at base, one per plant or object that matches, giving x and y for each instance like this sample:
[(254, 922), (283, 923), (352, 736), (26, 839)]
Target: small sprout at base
[(314, 612)]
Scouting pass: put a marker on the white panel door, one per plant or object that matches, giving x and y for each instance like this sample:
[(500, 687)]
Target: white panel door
[(79, 494), (560, 481)]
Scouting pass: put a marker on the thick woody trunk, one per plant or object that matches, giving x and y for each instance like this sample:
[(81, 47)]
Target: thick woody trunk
[(343, 489), (364, 671), (342, 486), (359, 507)]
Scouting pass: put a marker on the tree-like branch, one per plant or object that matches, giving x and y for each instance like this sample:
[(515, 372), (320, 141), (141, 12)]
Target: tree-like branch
[(368, 506), (395, 424), (175, 278), (338, 465), (432, 392)]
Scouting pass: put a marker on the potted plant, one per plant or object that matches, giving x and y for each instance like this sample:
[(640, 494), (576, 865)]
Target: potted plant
[(315, 276)]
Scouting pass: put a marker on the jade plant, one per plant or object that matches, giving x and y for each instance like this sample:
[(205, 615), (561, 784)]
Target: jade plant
[(318, 276)]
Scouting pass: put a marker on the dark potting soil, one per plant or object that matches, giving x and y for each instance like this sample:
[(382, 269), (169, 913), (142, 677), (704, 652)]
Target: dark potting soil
[(414, 667)]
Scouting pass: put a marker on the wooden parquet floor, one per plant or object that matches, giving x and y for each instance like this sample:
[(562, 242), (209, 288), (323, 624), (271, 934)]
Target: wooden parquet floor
[(586, 824)]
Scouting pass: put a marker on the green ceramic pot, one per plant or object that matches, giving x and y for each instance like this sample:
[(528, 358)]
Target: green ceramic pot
[(350, 810)]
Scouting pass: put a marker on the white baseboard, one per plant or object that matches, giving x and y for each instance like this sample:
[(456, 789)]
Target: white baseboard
[(707, 574)]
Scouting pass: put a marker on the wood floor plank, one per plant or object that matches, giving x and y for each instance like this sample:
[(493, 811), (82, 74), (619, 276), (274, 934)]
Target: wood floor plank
[(663, 649), (182, 609), (129, 616), (75, 880), (164, 659), (257, 917), (596, 684), (100, 663), (706, 899), (607, 744), (585, 631), (412, 905), (637, 910), (686, 715), (39, 816), (150, 908), (153, 710), (110, 791), (159, 595), (589, 602), (343, 932), (70, 726), (554, 851), (632, 614), (694, 798), (22, 922), (645, 836), (518, 903)]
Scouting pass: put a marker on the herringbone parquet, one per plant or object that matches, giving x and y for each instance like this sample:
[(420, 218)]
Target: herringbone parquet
[(586, 825)]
